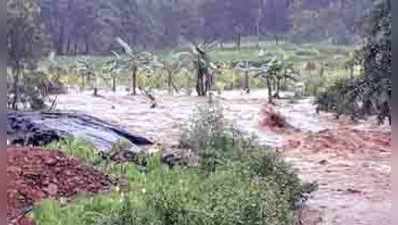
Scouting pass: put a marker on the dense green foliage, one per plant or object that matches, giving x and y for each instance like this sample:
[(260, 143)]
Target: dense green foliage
[(90, 27), (85, 27), (247, 185), (27, 41), (370, 93)]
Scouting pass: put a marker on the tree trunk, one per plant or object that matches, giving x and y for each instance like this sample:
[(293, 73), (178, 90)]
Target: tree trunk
[(199, 84), (134, 81), (95, 86), (60, 43), (276, 39), (322, 72), (238, 41), (83, 82), (75, 49), (16, 91), (208, 82), (170, 82), (269, 87), (87, 45), (278, 87), (200, 89), (273, 82), (247, 82), (114, 83), (259, 18), (68, 46)]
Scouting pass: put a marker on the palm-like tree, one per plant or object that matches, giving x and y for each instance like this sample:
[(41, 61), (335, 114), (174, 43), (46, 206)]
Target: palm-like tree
[(201, 63), (274, 72), (113, 67), (134, 60), (172, 64), (87, 72)]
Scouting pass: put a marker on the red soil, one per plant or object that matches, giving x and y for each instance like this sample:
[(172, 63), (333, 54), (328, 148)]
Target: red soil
[(36, 174), (273, 120), (342, 141)]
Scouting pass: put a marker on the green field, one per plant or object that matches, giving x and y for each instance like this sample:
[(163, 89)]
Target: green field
[(329, 58)]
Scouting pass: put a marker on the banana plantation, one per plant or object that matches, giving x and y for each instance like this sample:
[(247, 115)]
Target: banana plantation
[(199, 112)]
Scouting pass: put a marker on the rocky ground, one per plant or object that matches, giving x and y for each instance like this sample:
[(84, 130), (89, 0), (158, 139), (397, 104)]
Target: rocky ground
[(350, 162)]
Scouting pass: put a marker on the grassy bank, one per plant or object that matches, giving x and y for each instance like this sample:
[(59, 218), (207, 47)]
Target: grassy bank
[(236, 182)]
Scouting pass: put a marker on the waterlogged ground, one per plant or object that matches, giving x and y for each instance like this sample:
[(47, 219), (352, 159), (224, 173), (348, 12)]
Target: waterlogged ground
[(350, 162)]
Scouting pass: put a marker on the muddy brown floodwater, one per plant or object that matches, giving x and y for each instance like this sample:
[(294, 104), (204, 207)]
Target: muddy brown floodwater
[(349, 161)]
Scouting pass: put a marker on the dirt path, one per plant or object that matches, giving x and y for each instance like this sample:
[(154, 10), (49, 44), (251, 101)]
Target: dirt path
[(350, 162)]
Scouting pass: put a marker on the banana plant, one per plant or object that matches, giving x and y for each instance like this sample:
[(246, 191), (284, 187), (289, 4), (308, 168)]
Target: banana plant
[(54, 68), (287, 72), (274, 72), (134, 60), (267, 72), (88, 73), (113, 68), (204, 68), (172, 64), (246, 68)]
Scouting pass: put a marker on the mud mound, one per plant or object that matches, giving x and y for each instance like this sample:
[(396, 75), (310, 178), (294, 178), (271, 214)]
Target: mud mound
[(36, 174), (341, 141), (273, 120)]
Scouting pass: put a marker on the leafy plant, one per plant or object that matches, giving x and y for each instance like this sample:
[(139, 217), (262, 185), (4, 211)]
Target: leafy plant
[(275, 71), (134, 60), (370, 93), (78, 148), (88, 73), (202, 64), (113, 68)]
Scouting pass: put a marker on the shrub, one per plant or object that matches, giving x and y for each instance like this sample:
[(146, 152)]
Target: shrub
[(340, 99), (238, 183), (222, 146)]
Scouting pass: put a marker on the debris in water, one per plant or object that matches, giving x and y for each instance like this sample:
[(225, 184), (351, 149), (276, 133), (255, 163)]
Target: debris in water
[(273, 120)]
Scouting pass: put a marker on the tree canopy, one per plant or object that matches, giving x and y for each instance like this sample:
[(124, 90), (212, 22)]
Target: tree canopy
[(83, 26)]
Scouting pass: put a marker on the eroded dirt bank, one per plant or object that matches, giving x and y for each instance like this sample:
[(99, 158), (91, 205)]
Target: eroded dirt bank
[(350, 162)]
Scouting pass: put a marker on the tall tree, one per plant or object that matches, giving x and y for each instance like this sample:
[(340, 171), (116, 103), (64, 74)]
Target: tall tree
[(27, 42), (373, 88)]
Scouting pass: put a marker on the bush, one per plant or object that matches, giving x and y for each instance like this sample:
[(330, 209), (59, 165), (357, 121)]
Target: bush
[(238, 183), (340, 99), (220, 146)]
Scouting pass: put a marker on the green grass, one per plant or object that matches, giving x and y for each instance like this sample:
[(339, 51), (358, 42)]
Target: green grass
[(77, 148), (237, 183), (236, 193)]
